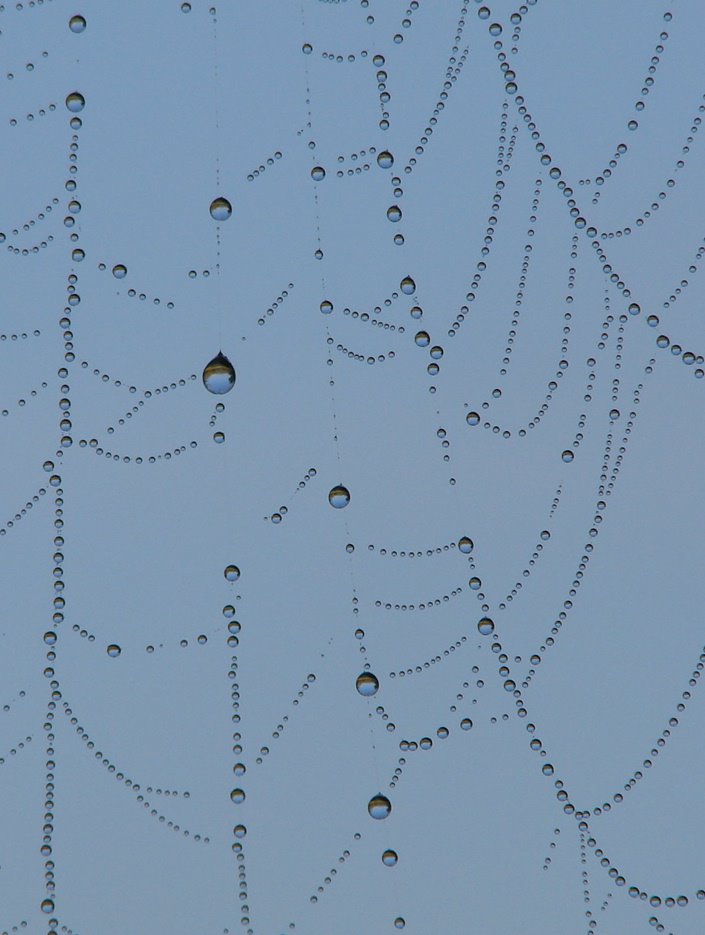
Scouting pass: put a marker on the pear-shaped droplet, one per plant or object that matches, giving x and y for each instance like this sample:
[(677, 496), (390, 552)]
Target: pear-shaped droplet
[(367, 684), (219, 375), (485, 626), (221, 209), (407, 285), (339, 497), (379, 807)]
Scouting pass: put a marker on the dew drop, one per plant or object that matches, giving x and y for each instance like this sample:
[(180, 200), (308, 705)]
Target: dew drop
[(326, 307), (339, 497), (485, 626), (389, 858), (379, 807), (567, 456), (237, 796), (232, 573), (394, 213), (472, 418), (47, 905), (367, 684), (219, 375), (465, 544), (422, 338), (407, 285), (399, 923), (114, 650), (318, 173), (119, 271), (75, 102), (77, 23), (221, 209), (385, 160)]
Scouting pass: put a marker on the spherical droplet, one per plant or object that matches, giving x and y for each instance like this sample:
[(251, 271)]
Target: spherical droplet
[(394, 213), (379, 807), (114, 650), (318, 173), (614, 414), (465, 544), (221, 209), (422, 338), (47, 905), (385, 160), (407, 285), (389, 858), (485, 626), (77, 23), (473, 418), (119, 271), (339, 497), (399, 923), (634, 308), (75, 102), (326, 307), (219, 375), (567, 456), (367, 684), (232, 573), (237, 796)]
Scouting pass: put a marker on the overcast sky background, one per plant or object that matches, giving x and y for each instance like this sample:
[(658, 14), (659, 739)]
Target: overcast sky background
[(243, 101)]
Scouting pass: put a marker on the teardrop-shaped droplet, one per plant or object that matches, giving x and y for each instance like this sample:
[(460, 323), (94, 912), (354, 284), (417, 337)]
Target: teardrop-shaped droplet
[(367, 684), (339, 497), (221, 209), (75, 102), (219, 375), (379, 807), (407, 285)]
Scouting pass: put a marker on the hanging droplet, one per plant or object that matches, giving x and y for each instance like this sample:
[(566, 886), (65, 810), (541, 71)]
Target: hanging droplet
[(119, 271), (219, 374), (389, 858), (379, 807), (339, 497), (318, 173), (326, 306), (485, 626), (232, 573), (367, 684), (114, 650), (75, 102), (567, 456), (221, 209), (394, 213), (77, 23), (465, 544), (407, 285), (385, 160)]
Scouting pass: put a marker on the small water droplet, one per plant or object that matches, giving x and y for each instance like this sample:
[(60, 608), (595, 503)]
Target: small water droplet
[(77, 23), (465, 544), (567, 456), (339, 497), (394, 213), (399, 923), (407, 285), (367, 684), (237, 796), (422, 338), (379, 807), (221, 209), (219, 375), (385, 160), (114, 650), (119, 271), (389, 858), (326, 307), (232, 573), (318, 173), (47, 905)]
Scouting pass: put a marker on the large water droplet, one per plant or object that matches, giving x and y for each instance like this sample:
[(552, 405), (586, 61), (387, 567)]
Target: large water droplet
[(232, 573), (389, 858), (114, 650), (485, 626), (219, 374), (77, 23), (318, 173), (75, 102), (465, 544), (120, 271), (367, 684), (385, 160), (339, 497), (221, 209), (379, 807), (407, 285)]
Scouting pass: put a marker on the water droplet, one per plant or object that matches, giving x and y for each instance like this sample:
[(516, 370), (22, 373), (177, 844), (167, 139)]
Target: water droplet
[(219, 437), (367, 684), (389, 858), (422, 338), (485, 626), (465, 544), (339, 497), (473, 418), (219, 375), (394, 213), (326, 307), (567, 456), (634, 308), (221, 209), (407, 285), (232, 573), (385, 160), (466, 723), (399, 923), (114, 650), (75, 102), (119, 271), (77, 23), (237, 796), (614, 414), (318, 173), (379, 807), (47, 905)]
